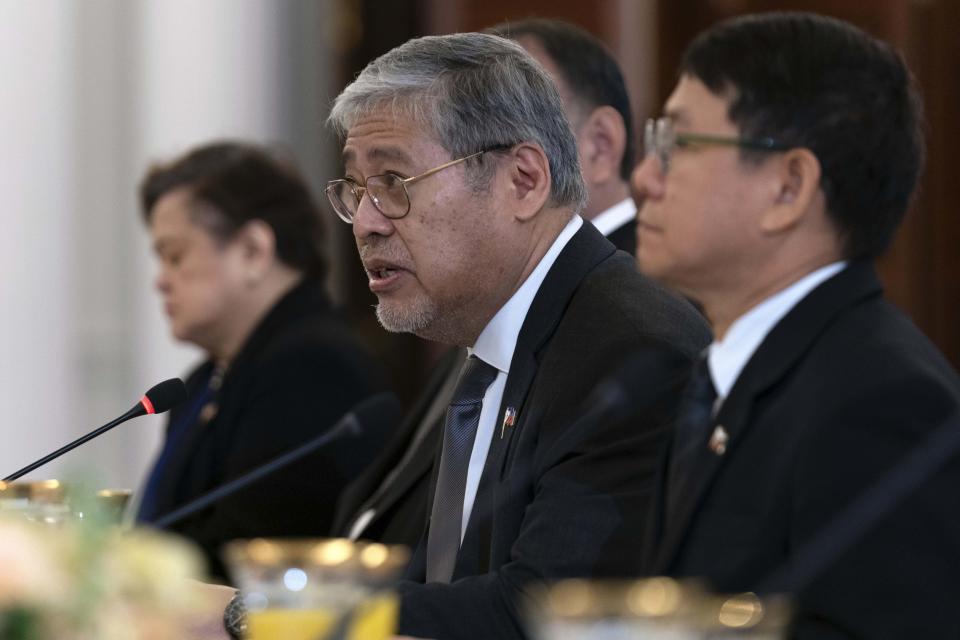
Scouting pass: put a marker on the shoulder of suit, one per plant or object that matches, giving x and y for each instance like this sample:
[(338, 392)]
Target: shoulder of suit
[(319, 345), (617, 290), (874, 339)]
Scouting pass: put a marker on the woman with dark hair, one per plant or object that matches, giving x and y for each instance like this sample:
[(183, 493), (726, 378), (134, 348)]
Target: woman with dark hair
[(241, 268)]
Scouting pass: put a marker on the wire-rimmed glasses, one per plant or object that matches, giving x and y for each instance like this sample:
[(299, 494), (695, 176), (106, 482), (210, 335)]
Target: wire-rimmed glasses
[(387, 191)]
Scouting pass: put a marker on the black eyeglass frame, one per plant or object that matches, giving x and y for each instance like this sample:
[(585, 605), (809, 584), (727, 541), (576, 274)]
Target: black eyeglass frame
[(660, 139)]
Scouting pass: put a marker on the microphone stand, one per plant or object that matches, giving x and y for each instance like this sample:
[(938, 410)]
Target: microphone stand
[(138, 410), (349, 425)]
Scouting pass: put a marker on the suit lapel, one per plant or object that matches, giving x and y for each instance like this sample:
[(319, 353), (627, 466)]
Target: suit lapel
[(776, 356), (585, 250)]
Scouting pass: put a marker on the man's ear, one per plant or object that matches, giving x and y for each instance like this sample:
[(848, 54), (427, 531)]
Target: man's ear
[(602, 140), (257, 243), (530, 180), (796, 176)]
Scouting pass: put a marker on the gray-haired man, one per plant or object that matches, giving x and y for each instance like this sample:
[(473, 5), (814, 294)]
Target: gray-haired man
[(387, 502), (463, 188)]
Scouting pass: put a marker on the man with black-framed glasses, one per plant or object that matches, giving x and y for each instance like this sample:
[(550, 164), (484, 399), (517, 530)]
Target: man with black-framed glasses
[(818, 448), (463, 189)]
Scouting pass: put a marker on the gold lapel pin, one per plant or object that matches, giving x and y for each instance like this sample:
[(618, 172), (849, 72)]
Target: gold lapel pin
[(718, 440)]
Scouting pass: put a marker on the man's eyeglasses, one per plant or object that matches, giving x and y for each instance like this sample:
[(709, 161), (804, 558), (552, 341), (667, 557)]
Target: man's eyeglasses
[(660, 139), (387, 192)]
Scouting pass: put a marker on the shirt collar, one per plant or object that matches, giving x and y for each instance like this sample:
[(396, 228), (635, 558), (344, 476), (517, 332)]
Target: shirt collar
[(499, 338), (729, 356), (611, 219)]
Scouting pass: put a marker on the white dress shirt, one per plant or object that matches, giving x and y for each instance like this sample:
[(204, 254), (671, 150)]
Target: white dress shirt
[(495, 347), (615, 217), (729, 356)]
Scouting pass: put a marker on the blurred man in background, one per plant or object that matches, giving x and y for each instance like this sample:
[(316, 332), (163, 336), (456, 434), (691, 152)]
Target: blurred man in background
[(597, 105)]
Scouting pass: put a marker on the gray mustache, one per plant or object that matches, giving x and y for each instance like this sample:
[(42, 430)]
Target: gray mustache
[(382, 249)]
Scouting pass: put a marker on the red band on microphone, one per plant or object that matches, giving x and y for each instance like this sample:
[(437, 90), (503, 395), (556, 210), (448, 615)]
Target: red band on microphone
[(145, 401)]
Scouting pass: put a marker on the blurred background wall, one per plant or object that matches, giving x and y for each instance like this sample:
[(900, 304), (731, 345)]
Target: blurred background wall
[(94, 90)]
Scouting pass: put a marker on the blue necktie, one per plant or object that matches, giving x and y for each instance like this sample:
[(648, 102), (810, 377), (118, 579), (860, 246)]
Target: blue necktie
[(459, 433), (694, 419), (148, 504)]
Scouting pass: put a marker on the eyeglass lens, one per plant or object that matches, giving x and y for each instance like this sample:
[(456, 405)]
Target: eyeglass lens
[(658, 140), (386, 192)]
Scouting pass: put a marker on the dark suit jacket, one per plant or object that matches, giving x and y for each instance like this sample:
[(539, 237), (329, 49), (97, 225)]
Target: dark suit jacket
[(297, 374), (556, 497), (841, 389), (624, 237), (401, 509)]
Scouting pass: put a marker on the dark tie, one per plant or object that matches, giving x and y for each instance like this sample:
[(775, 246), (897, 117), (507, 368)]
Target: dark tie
[(694, 419), (148, 510), (459, 432)]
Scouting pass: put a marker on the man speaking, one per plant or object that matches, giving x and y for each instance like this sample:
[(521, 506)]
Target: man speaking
[(463, 188)]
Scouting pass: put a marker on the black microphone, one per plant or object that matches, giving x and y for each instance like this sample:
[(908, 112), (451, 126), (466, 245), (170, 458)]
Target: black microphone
[(373, 417), (638, 381), (161, 397)]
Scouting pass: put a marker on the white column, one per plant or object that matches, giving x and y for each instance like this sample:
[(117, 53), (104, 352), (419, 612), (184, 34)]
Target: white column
[(38, 391)]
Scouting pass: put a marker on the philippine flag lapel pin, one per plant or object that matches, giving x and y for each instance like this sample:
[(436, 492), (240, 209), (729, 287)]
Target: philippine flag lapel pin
[(509, 419)]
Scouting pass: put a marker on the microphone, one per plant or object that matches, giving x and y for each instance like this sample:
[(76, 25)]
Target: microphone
[(372, 417), (160, 398), (638, 381)]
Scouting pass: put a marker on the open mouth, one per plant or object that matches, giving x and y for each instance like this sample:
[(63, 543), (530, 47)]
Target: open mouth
[(382, 275)]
